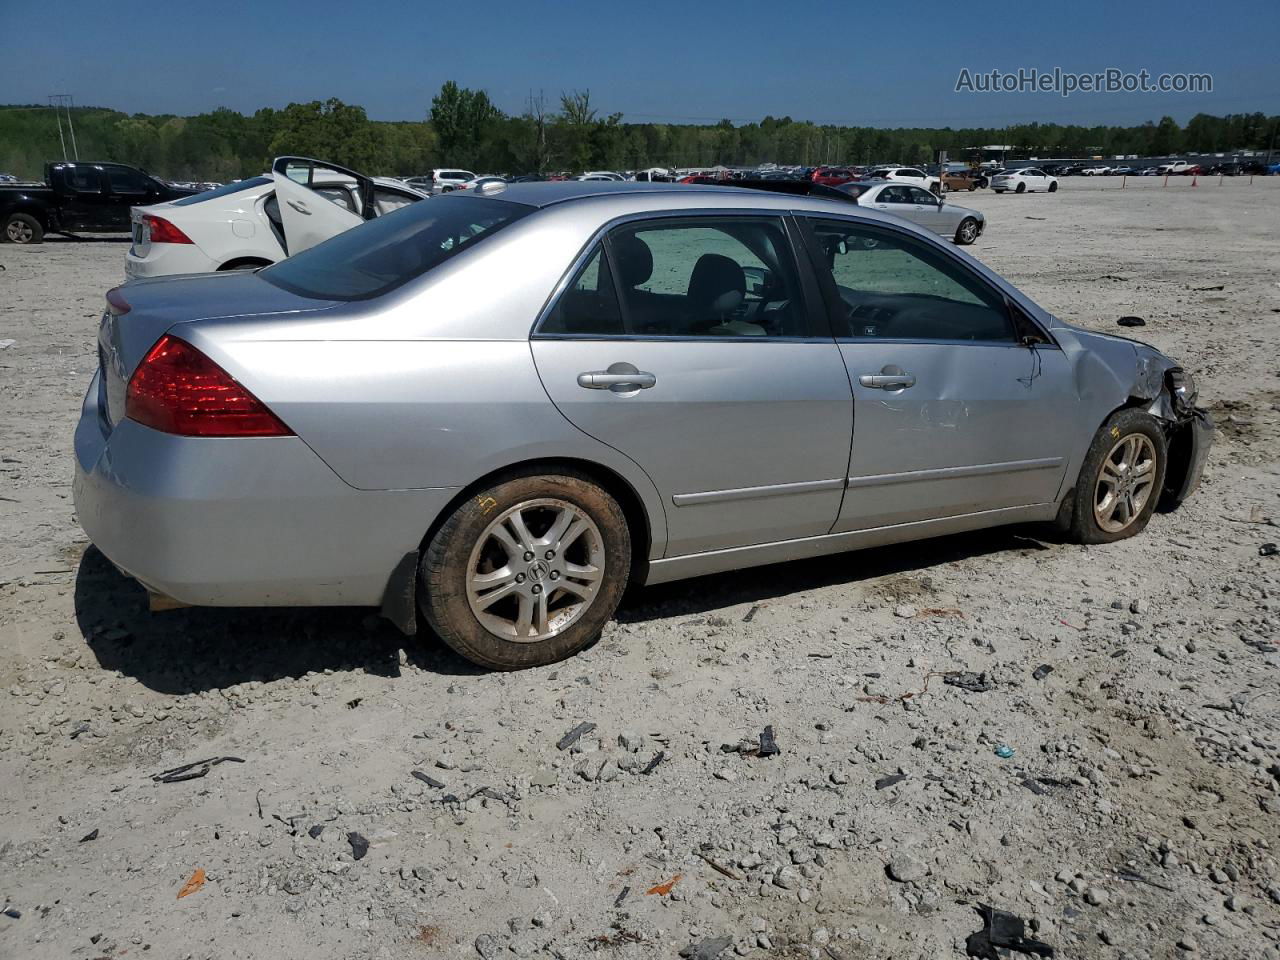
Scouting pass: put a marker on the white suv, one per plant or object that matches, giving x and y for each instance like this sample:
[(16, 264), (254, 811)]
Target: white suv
[(912, 175), (444, 181)]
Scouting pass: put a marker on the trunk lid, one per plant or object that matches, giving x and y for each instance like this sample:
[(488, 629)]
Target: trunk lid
[(139, 313)]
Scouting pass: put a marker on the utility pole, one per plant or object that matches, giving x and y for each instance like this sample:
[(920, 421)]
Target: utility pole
[(64, 101)]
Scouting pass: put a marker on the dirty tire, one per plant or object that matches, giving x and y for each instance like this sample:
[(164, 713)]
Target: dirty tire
[(1119, 427), (1022, 188), (1053, 188), (967, 232), (446, 569), (23, 228)]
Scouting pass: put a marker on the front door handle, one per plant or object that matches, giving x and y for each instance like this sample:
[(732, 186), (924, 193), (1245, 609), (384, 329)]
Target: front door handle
[(620, 378), (889, 378)]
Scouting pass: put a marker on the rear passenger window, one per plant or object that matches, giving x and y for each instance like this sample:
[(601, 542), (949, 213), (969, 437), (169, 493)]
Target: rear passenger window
[(895, 287), (82, 179), (590, 303)]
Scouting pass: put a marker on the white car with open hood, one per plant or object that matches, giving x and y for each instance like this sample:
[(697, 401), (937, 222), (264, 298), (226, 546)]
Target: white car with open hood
[(259, 221)]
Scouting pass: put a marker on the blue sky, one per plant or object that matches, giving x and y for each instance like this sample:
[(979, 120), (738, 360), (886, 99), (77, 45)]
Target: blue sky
[(657, 61)]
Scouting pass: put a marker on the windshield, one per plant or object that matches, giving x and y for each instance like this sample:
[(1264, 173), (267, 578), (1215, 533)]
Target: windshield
[(380, 255), (250, 184)]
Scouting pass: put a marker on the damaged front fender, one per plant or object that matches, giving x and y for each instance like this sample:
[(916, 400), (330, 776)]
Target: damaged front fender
[(1135, 374)]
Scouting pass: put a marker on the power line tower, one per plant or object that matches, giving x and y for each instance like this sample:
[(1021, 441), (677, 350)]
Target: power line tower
[(64, 102)]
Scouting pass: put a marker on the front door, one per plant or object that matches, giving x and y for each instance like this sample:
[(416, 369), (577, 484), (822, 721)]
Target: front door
[(692, 346), (953, 413)]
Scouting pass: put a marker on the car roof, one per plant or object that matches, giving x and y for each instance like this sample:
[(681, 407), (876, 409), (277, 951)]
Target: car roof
[(563, 191), (630, 197)]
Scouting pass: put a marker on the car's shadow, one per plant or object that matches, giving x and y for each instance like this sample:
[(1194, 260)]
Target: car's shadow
[(81, 238), (762, 584), (210, 648), (204, 648)]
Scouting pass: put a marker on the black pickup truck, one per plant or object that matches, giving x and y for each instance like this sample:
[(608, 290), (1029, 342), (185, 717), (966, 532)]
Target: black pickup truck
[(84, 195)]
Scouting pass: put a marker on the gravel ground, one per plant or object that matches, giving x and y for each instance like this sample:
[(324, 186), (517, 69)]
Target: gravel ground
[(1137, 817)]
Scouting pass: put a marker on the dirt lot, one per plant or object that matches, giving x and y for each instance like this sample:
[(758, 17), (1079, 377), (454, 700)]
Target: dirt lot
[(1138, 816)]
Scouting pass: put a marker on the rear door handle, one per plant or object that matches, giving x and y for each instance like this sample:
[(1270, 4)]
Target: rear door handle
[(620, 378), (887, 382)]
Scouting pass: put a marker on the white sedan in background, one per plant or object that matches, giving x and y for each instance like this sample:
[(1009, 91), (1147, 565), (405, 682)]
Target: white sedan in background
[(1025, 180), (255, 222)]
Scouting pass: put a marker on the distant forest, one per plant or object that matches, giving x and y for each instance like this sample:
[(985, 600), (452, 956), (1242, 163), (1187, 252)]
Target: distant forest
[(463, 128)]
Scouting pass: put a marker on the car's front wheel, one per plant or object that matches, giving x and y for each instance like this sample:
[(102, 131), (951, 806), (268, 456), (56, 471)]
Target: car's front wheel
[(967, 232), (1120, 480), (1053, 187), (528, 571)]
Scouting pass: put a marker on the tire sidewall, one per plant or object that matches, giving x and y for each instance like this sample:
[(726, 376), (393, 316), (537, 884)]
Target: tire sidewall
[(444, 569), (37, 231), (1119, 425), (960, 238)]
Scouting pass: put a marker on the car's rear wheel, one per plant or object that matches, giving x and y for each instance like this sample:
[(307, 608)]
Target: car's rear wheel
[(972, 187), (967, 232), (23, 228), (528, 571), (1022, 188), (1120, 480)]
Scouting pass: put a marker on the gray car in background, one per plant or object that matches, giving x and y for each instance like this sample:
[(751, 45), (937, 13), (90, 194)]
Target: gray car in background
[(920, 206), (497, 411)]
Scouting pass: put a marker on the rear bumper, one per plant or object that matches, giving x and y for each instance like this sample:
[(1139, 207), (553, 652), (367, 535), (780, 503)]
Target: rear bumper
[(239, 522), (167, 259)]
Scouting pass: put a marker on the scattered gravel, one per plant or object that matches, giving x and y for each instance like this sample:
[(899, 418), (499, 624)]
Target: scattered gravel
[(395, 802)]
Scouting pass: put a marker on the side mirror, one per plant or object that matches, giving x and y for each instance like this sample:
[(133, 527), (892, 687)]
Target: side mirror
[(1131, 322)]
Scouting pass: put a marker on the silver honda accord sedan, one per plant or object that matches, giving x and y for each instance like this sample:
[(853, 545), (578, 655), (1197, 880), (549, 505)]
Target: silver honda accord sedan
[(494, 412)]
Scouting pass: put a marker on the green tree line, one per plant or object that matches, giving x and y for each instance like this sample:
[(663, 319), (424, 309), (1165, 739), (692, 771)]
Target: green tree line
[(464, 128)]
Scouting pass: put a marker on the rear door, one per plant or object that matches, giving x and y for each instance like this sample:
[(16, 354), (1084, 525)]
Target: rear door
[(693, 346), (317, 201), (83, 203)]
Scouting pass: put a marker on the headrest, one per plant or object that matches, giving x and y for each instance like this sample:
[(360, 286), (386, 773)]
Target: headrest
[(632, 259)]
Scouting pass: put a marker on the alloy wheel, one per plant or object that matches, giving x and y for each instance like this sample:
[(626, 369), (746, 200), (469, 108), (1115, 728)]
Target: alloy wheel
[(19, 231), (1125, 483), (535, 570)]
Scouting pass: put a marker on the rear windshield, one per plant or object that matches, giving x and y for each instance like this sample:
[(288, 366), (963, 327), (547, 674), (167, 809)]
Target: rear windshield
[(250, 184), (376, 257)]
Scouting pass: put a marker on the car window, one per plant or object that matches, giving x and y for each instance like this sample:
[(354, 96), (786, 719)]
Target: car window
[(389, 251), (910, 173), (385, 201), (251, 184), (693, 277), (895, 195), (922, 196), (127, 182), (339, 195), (898, 287), (589, 305), (82, 179)]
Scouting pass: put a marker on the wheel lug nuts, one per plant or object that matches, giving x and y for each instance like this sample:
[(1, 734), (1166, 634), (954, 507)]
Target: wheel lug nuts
[(537, 588), (519, 578), (550, 554), (528, 556), (555, 574)]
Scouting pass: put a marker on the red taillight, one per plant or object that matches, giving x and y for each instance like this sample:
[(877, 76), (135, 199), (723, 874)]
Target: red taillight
[(162, 231), (177, 389)]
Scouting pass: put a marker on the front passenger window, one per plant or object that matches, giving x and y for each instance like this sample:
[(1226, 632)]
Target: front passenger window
[(896, 287)]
